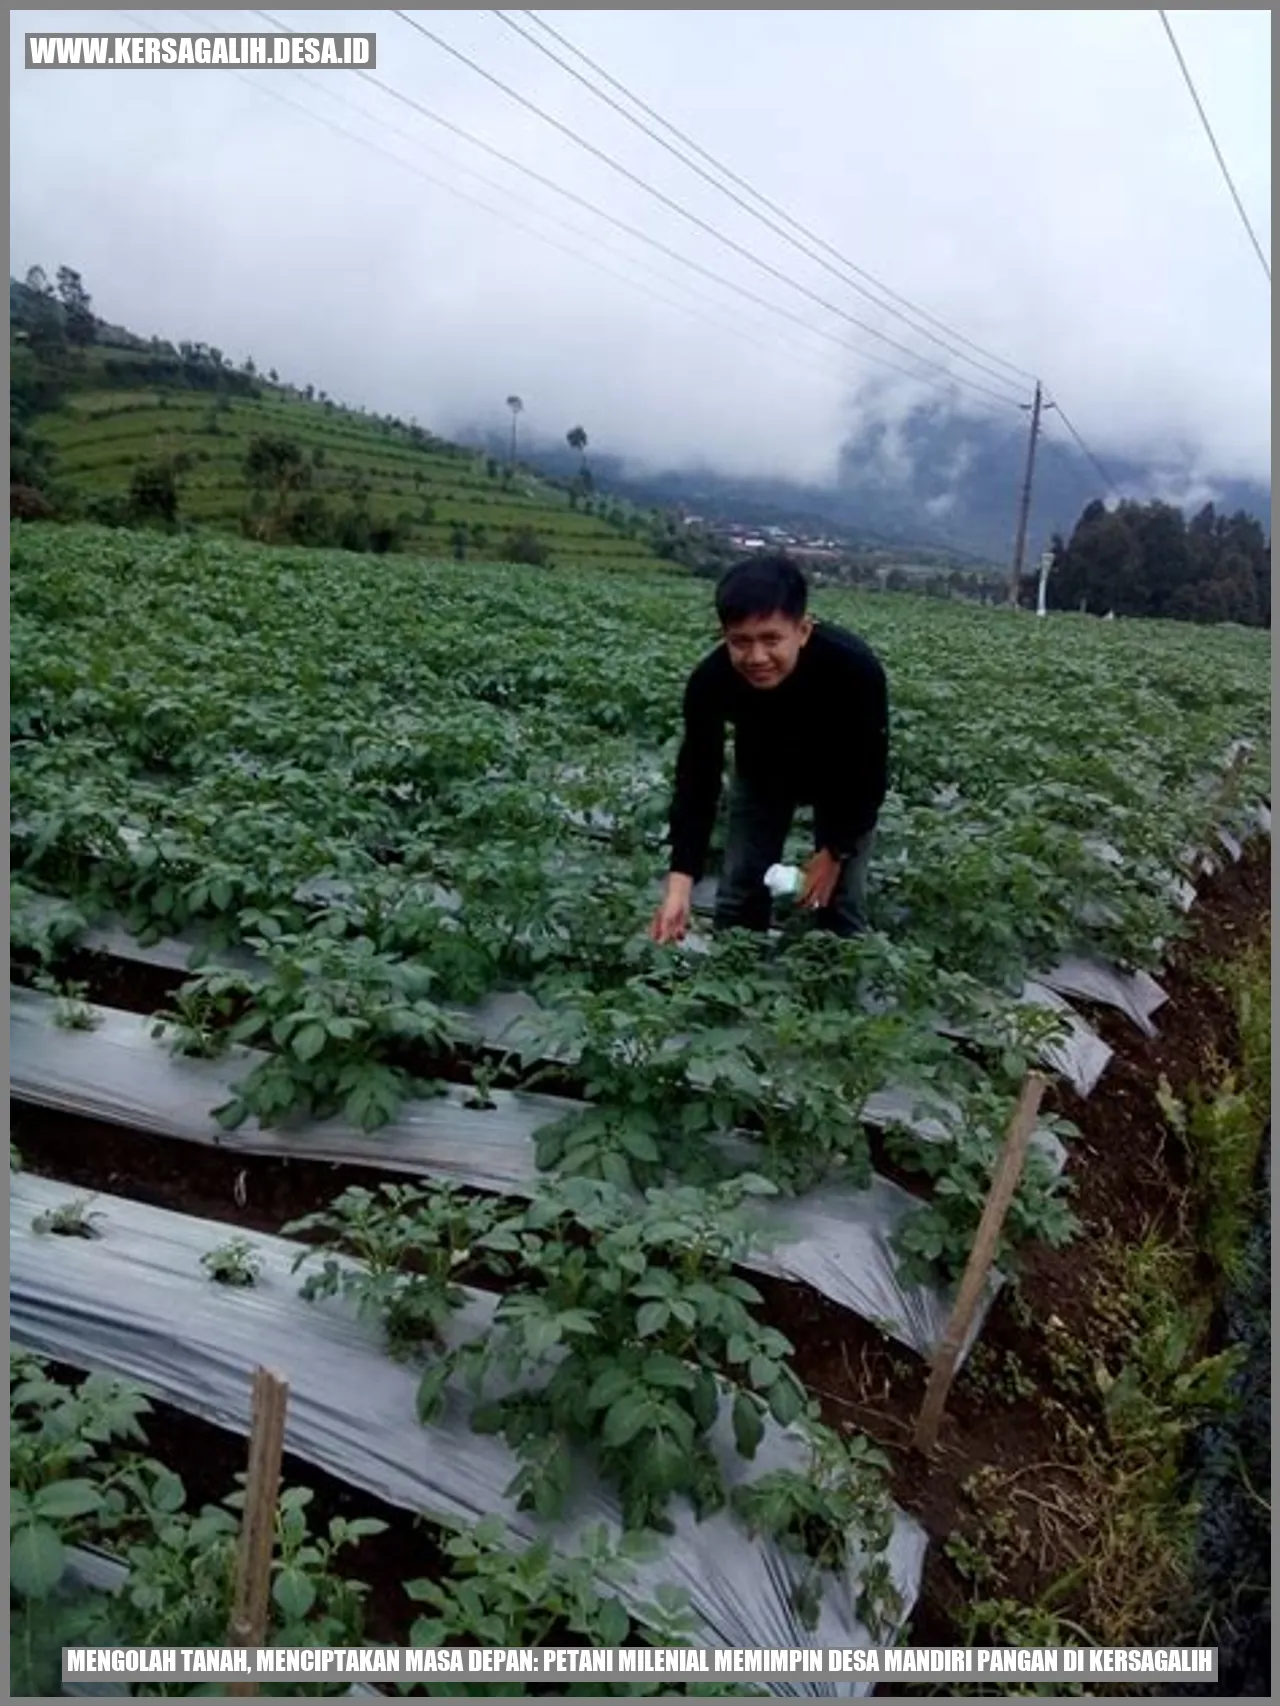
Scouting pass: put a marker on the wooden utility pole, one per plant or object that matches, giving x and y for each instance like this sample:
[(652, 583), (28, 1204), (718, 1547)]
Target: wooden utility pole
[(1004, 1183), (258, 1522), (1024, 501)]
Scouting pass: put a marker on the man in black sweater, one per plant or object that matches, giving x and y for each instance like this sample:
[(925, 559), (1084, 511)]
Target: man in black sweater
[(809, 705)]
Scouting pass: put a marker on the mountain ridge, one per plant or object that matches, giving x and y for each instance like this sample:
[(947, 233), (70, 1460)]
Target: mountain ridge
[(933, 481)]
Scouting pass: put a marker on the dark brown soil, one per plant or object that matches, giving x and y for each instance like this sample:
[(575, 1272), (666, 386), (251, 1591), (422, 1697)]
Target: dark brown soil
[(257, 1193), (1128, 1179)]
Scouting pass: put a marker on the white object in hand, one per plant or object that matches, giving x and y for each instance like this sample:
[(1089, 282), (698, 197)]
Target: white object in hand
[(783, 879)]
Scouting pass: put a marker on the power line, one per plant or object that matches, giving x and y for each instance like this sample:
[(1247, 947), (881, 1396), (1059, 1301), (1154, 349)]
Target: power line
[(1106, 479), (1213, 143), (742, 327), (693, 218), (733, 177), (719, 323), (839, 272), (782, 214), (643, 236)]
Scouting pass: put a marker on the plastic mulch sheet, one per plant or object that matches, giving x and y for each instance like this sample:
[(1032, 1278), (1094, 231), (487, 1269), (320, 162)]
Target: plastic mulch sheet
[(506, 1019), (135, 1301), (1137, 994), (838, 1240)]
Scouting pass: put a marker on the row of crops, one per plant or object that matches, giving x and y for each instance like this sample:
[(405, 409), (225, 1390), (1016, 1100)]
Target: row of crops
[(101, 438), (390, 835)]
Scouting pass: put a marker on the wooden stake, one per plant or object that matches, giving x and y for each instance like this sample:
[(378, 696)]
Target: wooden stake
[(1003, 1185), (1225, 797), (258, 1523), (1231, 777)]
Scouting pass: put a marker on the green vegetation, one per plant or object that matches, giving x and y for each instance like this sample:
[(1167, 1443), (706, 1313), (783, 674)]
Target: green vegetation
[(110, 427), (156, 455), (1115, 1505), (408, 785), (80, 1476), (1220, 1121), (411, 782), (627, 1333), (381, 806), (1147, 560)]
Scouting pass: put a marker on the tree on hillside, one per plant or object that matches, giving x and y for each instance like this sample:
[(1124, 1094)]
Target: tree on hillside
[(524, 545), (576, 438), (516, 405), (42, 318), (77, 308), (277, 472), (153, 493)]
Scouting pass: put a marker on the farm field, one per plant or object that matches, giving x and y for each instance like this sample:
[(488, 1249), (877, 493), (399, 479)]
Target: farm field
[(379, 839), (100, 437)]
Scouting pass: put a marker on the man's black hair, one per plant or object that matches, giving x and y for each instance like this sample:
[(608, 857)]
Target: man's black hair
[(762, 586)]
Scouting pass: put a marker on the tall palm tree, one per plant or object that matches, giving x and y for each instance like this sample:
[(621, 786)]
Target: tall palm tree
[(576, 438), (516, 405)]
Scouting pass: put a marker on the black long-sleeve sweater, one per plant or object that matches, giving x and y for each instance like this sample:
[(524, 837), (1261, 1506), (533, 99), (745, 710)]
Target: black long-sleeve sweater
[(821, 737)]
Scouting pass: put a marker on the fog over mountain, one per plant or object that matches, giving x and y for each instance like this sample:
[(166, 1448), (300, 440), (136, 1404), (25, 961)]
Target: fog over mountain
[(1036, 182)]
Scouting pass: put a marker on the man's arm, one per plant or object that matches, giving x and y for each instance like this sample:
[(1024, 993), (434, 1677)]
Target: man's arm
[(699, 774), (857, 777)]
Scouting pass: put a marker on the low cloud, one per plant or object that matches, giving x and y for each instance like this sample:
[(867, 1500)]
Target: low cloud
[(1036, 180)]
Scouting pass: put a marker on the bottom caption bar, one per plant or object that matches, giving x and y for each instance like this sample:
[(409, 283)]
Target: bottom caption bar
[(542, 1664)]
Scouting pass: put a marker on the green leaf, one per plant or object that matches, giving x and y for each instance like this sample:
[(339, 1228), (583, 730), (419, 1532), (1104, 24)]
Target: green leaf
[(651, 1318), (36, 1558), (308, 1041), (294, 1592), (60, 1501), (607, 1388), (615, 1170), (627, 1417), (541, 1335), (639, 1144), (763, 1372), (431, 1391), (748, 1425), (613, 1625), (785, 1402)]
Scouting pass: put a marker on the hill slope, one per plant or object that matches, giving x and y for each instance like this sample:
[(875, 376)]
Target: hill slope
[(100, 437), (93, 414)]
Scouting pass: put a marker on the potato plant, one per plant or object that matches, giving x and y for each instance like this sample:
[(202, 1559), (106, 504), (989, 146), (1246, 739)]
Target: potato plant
[(628, 1335)]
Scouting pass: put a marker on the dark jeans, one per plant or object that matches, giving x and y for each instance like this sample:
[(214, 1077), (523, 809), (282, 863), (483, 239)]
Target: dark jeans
[(758, 827)]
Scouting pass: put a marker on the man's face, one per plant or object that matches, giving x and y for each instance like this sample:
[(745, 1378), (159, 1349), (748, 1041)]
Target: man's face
[(765, 649)]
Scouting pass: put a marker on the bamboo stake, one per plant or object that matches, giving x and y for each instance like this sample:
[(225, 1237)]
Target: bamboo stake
[(1004, 1183), (258, 1523), (1224, 799)]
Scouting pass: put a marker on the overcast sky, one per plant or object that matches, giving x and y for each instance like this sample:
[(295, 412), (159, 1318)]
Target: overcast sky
[(1038, 181)]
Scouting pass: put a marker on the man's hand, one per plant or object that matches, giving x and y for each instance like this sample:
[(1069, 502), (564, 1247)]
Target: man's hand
[(671, 920), (821, 875)]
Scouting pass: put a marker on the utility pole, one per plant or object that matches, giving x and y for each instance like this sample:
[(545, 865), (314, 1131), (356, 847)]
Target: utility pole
[(1024, 501), (1046, 563)]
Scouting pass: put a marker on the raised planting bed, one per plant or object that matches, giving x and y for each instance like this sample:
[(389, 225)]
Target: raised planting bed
[(136, 1301)]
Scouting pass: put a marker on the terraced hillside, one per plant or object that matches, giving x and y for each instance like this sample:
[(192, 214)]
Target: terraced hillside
[(101, 437)]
